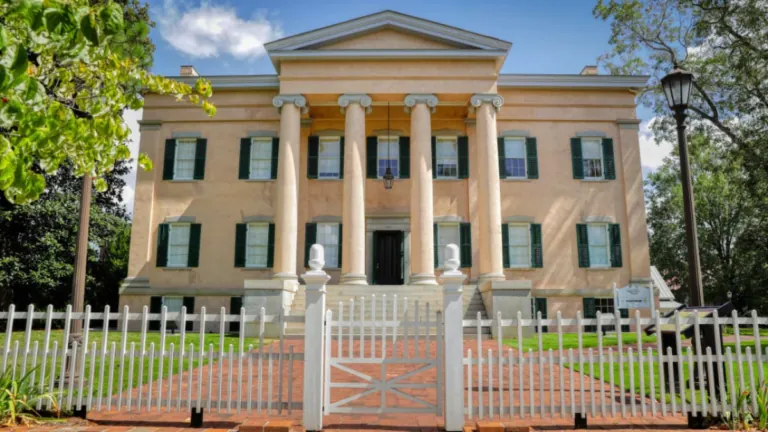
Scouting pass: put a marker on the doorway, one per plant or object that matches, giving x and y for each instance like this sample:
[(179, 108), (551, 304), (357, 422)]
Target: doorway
[(388, 255)]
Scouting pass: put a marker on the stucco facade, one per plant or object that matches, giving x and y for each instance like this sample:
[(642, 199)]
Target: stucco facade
[(456, 90)]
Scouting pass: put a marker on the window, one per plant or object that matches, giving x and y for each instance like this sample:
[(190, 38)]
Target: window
[(174, 304), (388, 155), (178, 245), (592, 153), (598, 245), (261, 159), (328, 236), (446, 234), (447, 157), (329, 158), (606, 307), (184, 159), (257, 245), (514, 157), (519, 245)]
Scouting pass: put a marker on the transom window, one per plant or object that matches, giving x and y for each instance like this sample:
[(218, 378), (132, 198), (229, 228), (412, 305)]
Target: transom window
[(447, 157), (329, 158), (388, 155), (599, 255), (514, 157), (178, 245), (592, 154), (519, 245), (261, 159), (257, 244), (447, 233), (184, 159), (328, 236)]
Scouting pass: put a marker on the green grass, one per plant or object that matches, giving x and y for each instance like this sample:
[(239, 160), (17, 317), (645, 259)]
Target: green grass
[(746, 343), (570, 340), (132, 337), (744, 331)]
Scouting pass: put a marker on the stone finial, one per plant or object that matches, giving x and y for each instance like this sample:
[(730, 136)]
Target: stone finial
[(299, 100), (480, 98), (412, 99), (364, 100), (452, 258), (316, 257)]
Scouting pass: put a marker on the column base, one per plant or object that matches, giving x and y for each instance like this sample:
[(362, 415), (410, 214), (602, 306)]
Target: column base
[(285, 276), (491, 277), (422, 279), (353, 279)]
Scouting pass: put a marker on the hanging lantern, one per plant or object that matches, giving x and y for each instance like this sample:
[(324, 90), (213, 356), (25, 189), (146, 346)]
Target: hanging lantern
[(389, 179)]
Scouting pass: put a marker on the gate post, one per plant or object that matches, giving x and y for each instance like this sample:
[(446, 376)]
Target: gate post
[(314, 326), (453, 313)]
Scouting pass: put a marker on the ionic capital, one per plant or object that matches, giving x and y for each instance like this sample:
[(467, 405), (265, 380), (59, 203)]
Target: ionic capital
[(359, 98), (299, 100), (412, 99), (478, 99)]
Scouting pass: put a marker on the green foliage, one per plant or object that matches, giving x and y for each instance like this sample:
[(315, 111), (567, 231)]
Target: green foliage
[(19, 397), (68, 69)]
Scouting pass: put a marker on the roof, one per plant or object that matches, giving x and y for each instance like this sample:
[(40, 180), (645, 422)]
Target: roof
[(664, 292)]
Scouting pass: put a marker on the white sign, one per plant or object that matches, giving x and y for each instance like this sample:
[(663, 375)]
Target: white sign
[(634, 296)]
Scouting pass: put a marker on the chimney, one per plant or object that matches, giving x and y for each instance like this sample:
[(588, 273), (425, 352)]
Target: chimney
[(188, 71), (589, 70)]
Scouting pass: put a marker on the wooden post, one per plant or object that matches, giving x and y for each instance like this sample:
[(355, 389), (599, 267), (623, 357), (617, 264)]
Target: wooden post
[(452, 280), (314, 326)]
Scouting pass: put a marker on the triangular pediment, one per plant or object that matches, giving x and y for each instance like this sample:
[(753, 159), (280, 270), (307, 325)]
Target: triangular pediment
[(388, 38)]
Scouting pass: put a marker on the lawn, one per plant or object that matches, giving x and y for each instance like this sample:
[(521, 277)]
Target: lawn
[(135, 338), (570, 340)]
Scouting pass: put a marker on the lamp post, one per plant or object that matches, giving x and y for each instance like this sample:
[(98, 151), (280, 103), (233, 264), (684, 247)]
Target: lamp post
[(677, 88)]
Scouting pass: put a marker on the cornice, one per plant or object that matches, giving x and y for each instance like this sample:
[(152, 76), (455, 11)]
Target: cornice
[(244, 82), (148, 125), (416, 98), (572, 81), (360, 98)]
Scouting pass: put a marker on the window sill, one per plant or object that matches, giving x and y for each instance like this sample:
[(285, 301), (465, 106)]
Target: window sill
[(259, 180), (521, 268), (328, 179), (596, 180), (177, 268), (254, 268), (514, 179), (448, 179), (601, 268), (183, 180)]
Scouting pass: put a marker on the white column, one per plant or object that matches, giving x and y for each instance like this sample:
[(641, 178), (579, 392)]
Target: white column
[(422, 239), (489, 200), (354, 107), (453, 310), (286, 211), (314, 316)]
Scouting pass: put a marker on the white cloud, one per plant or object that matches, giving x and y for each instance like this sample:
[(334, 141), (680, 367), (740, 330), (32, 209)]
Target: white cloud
[(131, 119), (652, 155), (210, 31)]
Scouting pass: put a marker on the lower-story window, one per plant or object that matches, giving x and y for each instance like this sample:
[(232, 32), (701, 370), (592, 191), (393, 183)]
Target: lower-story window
[(606, 307), (328, 236), (447, 233), (173, 304)]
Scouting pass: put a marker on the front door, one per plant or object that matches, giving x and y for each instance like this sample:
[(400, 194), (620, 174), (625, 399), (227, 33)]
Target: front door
[(388, 257)]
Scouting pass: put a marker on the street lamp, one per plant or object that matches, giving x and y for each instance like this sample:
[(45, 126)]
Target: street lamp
[(677, 88)]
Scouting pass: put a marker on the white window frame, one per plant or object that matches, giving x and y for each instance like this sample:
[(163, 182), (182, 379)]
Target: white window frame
[(264, 246), (606, 227), (320, 157), (599, 142), (170, 244), (379, 155), (527, 227), (441, 247), (184, 142), (525, 158), (455, 141), (329, 257), (252, 159)]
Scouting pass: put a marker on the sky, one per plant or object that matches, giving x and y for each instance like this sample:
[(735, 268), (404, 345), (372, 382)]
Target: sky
[(228, 37)]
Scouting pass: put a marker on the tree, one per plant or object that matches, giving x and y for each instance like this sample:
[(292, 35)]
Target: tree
[(729, 222), (68, 69)]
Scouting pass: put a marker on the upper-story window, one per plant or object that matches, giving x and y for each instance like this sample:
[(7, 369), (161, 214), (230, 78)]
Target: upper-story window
[(519, 245), (593, 158), (599, 245), (178, 245), (257, 245), (447, 233), (329, 158), (514, 157), (447, 157), (592, 153), (388, 155), (184, 159), (260, 167), (328, 236)]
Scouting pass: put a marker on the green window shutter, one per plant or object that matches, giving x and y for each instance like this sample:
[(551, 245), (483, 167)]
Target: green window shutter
[(371, 150), (313, 154), (465, 236), (434, 158), (614, 232), (624, 313), (609, 164), (200, 150), (275, 155), (375, 255), (245, 159), (531, 153), (193, 259), (590, 310), (502, 158), (463, 144), (168, 157), (540, 305), (582, 241), (241, 233), (341, 242), (235, 304), (162, 245), (271, 246), (341, 157), (189, 303), (405, 158), (577, 159), (434, 242), (310, 237), (505, 244), (537, 251), (155, 307)]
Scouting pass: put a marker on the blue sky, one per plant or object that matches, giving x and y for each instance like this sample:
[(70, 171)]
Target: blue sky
[(227, 37)]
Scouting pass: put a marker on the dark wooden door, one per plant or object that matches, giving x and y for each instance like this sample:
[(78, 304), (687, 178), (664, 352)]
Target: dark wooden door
[(388, 257)]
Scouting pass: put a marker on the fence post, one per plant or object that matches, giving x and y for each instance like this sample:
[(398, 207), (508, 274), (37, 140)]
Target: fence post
[(453, 313), (315, 280)]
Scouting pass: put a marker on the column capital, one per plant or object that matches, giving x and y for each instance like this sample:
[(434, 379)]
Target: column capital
[(478, 99), (416, 98), (359, 98), (299, 100)]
